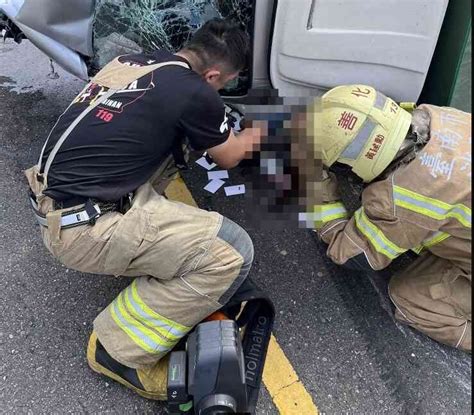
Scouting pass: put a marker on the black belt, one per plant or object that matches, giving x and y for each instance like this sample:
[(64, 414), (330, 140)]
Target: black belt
[(121, 205), (69, 203), (87, 212)]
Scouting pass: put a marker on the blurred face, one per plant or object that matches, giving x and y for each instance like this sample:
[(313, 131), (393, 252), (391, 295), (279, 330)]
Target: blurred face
[(217, 78)]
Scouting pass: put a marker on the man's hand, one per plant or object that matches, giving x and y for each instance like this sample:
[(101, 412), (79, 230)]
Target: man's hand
[(238, 147)]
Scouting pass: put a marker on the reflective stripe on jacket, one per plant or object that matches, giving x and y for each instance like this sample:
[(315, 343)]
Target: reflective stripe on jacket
[(425, 204)]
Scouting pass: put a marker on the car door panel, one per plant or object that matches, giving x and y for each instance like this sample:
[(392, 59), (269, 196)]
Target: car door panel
[(318, 44)]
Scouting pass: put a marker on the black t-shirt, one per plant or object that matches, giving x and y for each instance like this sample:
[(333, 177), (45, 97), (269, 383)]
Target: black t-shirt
[(119, 145)]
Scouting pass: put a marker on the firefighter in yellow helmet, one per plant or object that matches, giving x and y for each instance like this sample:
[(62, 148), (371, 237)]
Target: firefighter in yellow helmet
[(418, 169)]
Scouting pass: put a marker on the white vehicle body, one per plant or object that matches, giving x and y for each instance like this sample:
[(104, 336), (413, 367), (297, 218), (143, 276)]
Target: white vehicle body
[(300, 47)]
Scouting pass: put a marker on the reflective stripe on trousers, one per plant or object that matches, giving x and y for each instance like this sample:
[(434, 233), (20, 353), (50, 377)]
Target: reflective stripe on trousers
[(149, 317), (434, 239)]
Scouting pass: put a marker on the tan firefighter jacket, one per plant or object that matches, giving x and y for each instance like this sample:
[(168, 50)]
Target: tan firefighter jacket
[(422, 205)]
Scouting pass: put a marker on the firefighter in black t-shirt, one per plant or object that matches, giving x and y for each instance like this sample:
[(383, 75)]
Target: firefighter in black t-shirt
[(94, 191)]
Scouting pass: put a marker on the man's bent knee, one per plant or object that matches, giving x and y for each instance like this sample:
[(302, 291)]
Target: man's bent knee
[(396, 293), (432, 316), (239, 239)]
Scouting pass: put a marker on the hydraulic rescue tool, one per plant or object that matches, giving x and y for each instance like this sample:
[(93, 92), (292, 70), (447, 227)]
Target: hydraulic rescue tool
[(218, 367)]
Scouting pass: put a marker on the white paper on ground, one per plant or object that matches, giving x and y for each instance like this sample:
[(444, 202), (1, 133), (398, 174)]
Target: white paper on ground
[(235, 190), (218, 174), (214, 185), (204, 163)]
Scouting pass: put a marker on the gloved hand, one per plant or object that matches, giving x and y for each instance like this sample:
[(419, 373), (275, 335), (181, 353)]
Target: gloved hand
[(236, 118), (329, 184)]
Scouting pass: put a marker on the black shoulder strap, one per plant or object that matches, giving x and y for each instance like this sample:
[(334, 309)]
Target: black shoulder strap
[(257, 317)]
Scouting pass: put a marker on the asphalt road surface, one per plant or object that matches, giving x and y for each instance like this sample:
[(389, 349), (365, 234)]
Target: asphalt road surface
[(336, 327)]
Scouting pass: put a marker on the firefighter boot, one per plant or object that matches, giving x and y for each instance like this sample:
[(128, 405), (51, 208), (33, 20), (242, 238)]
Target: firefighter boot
[(149, 383)]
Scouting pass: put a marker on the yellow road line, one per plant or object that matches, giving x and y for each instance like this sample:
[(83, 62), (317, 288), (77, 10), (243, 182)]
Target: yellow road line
[(177, 190), (283, 384), (288, 393)]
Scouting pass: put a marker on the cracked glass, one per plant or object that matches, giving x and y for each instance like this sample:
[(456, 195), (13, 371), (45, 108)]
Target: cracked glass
[(131, 26)]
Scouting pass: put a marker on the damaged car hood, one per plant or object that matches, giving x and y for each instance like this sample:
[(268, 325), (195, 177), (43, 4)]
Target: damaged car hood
[(63, 33), (82, 36)]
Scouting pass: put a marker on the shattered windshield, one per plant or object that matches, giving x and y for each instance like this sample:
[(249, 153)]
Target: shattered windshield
[(131, 26)]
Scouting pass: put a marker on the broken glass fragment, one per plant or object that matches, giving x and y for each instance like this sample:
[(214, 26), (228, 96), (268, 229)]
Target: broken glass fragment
[(131, 26)]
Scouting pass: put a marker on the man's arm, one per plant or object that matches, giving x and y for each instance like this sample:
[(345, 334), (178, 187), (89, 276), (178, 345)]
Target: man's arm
[(373, 237), (238, 146), (208, 125)]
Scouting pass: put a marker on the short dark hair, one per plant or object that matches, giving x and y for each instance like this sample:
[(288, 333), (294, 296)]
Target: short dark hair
[(221, 41)]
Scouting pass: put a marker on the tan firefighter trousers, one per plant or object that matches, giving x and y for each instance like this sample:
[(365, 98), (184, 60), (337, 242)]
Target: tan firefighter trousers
[(434, 296), (188, 263)]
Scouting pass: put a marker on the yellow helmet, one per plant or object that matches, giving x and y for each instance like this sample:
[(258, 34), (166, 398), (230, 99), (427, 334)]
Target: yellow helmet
[(361, 127)]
